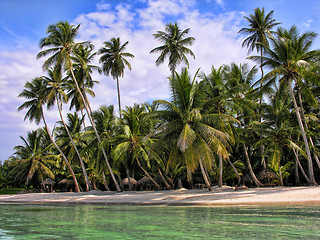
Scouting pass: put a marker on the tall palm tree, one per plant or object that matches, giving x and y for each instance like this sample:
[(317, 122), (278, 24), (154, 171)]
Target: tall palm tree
[(34, 92), (56, 86), (290, 57), (174, 46), (259, 31), (114, 61), (62, 47), (82, 71), (195, 140), (32, 159)]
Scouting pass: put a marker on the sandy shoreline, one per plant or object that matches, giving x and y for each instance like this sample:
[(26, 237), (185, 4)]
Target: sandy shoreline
[(180, 197)]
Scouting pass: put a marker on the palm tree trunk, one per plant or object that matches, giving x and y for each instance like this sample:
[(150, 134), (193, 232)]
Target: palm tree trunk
[(118, 189), (205, 177), (118, 89), (235, 170), (128, 176), (296, 154), (304, 136), (87, 181), (105, 181), (264, 164), (280, 175), (296, 173), (148, 175), (220, 171), (84, 123), (62, 154), (253, 176), (164, 180), (306, 125)]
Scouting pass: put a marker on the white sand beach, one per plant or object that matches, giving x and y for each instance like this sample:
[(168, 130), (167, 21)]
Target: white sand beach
[(220, 196)]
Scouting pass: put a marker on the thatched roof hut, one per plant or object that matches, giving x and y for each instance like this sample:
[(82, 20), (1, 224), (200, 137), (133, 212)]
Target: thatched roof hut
[(132, 181), (47, 184), (267, 174), (143, 180)]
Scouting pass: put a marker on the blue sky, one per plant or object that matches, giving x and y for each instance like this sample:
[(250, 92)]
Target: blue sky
[(214, 24)]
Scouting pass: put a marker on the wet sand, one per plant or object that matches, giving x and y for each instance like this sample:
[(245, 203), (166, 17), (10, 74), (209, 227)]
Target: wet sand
[(180, 197)]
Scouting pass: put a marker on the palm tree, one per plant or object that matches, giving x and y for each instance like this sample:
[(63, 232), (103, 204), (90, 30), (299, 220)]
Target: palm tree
[(105, 124), (63, 47), (174, 46), (114, 62), (33, 158), (290, 57), (82, 71), (34, 92), (277, 131), (259, 31), (56, 87), (195, 140)]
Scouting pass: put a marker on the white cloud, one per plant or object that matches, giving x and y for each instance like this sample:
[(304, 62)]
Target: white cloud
[(307, 24), (220, 3)]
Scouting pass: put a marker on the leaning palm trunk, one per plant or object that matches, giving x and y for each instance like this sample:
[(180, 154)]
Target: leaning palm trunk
[(62, 154), (128, 176), (306, 125), (220, 171), (88, 184), (205, 177), (95, 130), (164, 180), (235, 170), (148, 175), (296, 173), (296, 154), (253, 176), (304, 136), (105, 181)]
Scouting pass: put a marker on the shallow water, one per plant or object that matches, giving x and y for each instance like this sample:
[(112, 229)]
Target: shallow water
[(150, 222)]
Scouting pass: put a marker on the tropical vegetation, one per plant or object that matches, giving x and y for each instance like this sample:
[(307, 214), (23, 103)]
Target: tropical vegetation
[(235, 125)]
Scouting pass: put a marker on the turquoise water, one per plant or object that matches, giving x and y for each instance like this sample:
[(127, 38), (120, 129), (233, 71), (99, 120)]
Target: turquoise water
[(150, 222)]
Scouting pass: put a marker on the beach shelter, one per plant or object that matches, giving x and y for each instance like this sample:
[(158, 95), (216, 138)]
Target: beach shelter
[(133, 182), (268, 175), (47, 184)]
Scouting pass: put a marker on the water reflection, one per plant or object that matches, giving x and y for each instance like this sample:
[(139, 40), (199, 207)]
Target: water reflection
[(138, 222)]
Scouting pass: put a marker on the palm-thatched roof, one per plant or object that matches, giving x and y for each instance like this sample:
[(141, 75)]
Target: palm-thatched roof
[(267, 174), (143, 180), (63, 181), (48, 181), (132, 181)]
